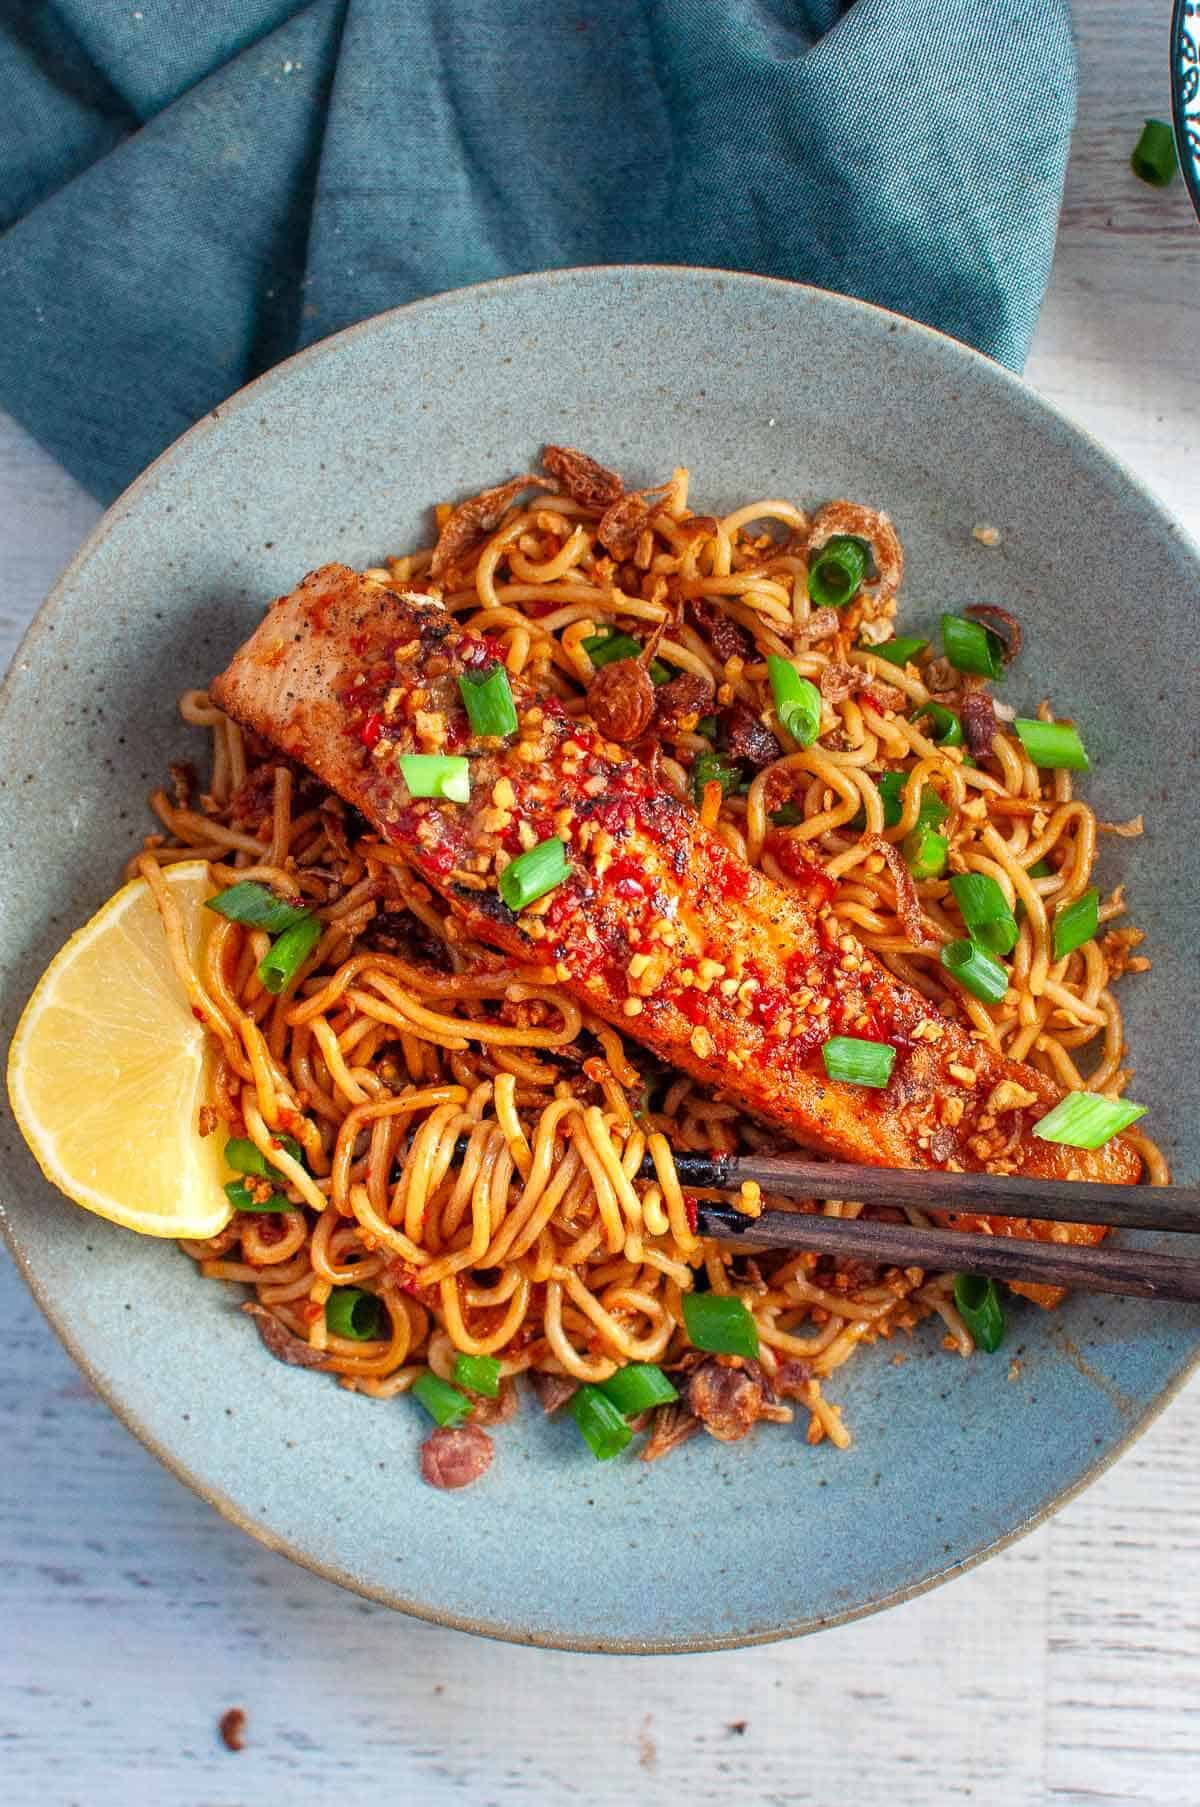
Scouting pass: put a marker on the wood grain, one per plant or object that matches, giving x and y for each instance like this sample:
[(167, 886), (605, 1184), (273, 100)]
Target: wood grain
[(1065, 1673)]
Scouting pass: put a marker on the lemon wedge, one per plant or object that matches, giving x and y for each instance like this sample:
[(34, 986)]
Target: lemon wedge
[(108, 1070)]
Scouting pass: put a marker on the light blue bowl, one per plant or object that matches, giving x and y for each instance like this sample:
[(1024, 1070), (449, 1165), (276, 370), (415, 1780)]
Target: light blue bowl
[(762, 388)]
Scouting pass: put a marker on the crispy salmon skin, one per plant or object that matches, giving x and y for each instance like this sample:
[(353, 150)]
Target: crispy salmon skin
[(659, 928)]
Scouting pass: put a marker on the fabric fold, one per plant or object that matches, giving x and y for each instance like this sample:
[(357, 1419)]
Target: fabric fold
[(201, 191)]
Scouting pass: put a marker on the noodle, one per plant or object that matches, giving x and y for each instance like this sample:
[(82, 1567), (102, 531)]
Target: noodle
[(470, 1138)]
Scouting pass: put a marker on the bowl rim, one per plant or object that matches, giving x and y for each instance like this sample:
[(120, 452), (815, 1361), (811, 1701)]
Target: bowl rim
[(1189, 162), (29, 646)]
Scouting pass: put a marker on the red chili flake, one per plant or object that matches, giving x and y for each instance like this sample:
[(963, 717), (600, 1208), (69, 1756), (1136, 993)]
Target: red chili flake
[(197, 1013), (625, 878), (371, 729), (406, 1278), (793, 857), (475, 650), (693, 1213)]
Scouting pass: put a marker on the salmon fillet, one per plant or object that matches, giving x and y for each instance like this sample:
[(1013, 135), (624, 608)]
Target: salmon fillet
[(660, 929)]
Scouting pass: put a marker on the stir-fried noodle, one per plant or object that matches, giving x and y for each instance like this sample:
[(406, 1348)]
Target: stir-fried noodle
[(471, 1138)]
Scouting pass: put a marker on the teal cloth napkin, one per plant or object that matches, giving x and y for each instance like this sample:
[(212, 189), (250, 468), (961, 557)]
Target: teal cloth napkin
[(192, 189)]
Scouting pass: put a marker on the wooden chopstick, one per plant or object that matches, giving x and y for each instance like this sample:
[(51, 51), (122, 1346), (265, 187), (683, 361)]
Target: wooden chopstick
[(1136, 1273), (985, 1194)]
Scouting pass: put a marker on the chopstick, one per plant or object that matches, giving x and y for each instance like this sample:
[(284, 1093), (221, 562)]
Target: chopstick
[(1134, 1273)]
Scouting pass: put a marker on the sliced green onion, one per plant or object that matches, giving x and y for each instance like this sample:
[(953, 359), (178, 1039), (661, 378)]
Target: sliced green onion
[(900, 650), (1086, 1120), (707, 726), (256, 907), (242, 1199), (721, 1323), (532, 874), (931, 811), (607, 647), (353, 1313), (975, 970), (925, 852), (979, 1307), (1154, 159), (945, 727), (1076, 923), (797, 702), (244, 1156), (659, 673), (444, 1403), (479, 1374), (858, 1062), (970, 646), (788, 815), (1053, 745), (637, 1387), (601, 1424), (984, 908), (437, 775), (489, 701), (836, 573), (287, 954), (711, 768)]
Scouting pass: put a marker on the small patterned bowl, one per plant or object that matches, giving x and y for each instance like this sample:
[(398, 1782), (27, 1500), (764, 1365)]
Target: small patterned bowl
[(1185, 92)]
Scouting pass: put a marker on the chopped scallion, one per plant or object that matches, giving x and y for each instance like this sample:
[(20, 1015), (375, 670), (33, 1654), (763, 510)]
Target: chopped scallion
[(288, 952), (970, 646), (899, 651), (244, 1156), (978, 1304), (353, 1313), (1087, 1120), (488, 698), (256, 907), (707, 726), (925, 852), (712, 768), (975, 970), (437, 775), (1154, 159), (242, 1199), (444, 1403), (797, 701), (788, 815), (945, 728), (984, 908), (637, 1387), (532, 874), (601, 1424), (608, 646), (479, 1374), (858, 1062), (1055, 746), (720, 1323), (836, 573), (1076, 923)]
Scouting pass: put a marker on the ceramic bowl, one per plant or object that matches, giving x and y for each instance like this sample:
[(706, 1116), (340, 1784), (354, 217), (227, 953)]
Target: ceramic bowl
[(763, 388)]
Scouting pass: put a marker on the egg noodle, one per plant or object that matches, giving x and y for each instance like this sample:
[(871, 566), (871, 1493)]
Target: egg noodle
[(470, 1137)]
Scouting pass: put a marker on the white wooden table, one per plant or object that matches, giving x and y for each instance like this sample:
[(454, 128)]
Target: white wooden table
[(1065, 1671)]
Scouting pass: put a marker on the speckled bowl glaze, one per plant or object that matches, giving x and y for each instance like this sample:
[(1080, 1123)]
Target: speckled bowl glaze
[(763, 388)]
